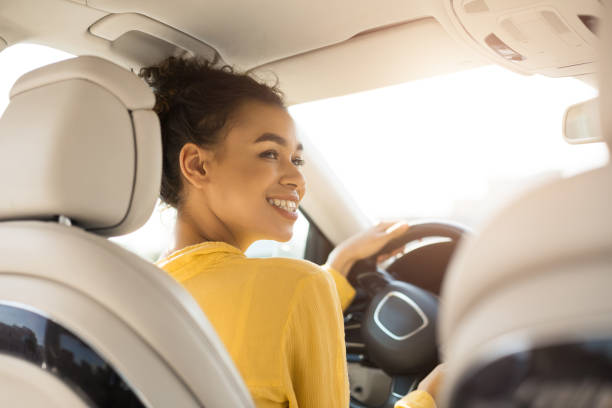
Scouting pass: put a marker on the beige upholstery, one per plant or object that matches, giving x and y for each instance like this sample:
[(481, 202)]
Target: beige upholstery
[(17, 375), (79, 138), (539, 272), (149, 327), (538, 275), (553, 226)]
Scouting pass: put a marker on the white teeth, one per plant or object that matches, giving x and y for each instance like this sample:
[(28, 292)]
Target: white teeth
[(286, 205)]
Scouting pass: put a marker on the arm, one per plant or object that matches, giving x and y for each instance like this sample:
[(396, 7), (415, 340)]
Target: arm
[(346, 292), (359, 246), (313, 347)]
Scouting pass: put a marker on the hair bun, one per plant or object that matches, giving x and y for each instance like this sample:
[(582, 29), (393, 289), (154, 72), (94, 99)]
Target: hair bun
[(169, 77)]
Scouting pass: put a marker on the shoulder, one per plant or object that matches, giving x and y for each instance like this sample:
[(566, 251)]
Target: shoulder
[(291, 276), (288, 268)]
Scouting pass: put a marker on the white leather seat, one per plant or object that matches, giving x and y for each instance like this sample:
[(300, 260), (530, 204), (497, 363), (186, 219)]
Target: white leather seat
[(83, 321), (526, 312)]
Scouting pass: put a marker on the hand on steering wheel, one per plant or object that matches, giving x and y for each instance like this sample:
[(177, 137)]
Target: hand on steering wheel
[(366, 244)]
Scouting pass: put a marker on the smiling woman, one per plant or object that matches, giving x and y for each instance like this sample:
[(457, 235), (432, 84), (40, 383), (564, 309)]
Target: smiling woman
[(231, 168)]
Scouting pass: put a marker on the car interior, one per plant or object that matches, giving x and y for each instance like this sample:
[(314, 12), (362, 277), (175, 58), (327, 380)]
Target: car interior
[(518, 308)]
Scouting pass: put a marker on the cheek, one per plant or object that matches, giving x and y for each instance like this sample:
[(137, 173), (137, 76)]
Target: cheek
[(244, 185)]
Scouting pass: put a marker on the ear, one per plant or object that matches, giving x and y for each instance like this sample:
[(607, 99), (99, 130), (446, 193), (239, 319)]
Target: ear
[(192, 161)]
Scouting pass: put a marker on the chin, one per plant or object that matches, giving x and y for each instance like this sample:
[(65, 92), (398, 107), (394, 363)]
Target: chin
[(283, 236)]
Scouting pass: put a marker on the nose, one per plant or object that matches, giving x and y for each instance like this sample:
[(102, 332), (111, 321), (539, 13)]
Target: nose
[(294, 178)]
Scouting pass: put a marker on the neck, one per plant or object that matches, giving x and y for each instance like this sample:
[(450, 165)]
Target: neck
[(196, 227)]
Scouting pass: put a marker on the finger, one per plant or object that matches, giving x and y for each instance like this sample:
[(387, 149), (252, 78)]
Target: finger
[(382, 258), (392, 254), (397, 228), (384, 225)]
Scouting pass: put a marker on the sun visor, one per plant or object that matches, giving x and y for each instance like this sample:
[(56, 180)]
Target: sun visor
[(551, 38)]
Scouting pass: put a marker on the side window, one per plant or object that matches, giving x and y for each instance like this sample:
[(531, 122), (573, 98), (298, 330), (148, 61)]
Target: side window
[(18, 59), (154, 238)]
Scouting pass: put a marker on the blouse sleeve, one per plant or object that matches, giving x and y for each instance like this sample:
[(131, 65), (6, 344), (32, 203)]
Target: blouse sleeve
[(346, 292), (313, 347)]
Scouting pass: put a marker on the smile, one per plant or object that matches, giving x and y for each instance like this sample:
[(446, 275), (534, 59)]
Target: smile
[(287, 205)]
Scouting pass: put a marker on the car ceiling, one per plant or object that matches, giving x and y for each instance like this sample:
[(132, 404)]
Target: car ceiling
[(317, 48), (252, 33)]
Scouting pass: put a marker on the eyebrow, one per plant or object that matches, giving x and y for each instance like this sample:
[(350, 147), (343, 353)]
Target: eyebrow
[(271, 137)]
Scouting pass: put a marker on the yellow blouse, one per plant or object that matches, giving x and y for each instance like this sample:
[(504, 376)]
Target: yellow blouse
[(280, 320)]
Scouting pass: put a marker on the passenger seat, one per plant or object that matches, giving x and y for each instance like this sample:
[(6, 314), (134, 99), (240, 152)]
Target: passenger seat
[(84, 322)]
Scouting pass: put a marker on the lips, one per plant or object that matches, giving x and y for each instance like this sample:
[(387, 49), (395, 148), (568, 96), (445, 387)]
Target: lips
[(285, 207)]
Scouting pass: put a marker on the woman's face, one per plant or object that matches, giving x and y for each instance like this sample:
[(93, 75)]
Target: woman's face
[(255, 179)]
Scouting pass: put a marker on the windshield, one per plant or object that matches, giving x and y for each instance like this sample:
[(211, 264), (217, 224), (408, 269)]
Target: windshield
[(454, 146)]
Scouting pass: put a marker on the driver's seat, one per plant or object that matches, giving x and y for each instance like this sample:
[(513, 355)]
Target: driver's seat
[(84, 322)]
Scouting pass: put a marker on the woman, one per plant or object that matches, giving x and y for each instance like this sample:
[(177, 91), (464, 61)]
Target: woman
[(231, 168)]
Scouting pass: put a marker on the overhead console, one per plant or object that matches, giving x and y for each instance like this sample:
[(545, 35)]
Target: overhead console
[(555, 38)]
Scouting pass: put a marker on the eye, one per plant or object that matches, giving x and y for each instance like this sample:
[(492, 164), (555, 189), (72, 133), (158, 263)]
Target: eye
[(269, 154), (298, 161)]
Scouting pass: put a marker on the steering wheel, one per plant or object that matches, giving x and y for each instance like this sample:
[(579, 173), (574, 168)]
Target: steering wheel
[(391, 323)]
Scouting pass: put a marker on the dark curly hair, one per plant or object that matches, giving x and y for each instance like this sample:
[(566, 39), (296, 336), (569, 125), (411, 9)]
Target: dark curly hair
[(194, 102)]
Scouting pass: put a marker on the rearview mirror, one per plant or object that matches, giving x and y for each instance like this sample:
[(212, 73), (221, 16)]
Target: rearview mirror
[(581, 123)]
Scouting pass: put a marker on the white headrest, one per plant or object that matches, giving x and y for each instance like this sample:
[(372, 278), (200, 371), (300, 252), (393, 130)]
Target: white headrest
[(79, 138)]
